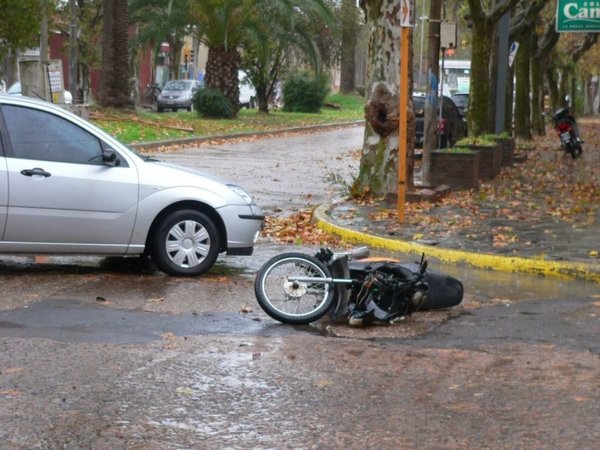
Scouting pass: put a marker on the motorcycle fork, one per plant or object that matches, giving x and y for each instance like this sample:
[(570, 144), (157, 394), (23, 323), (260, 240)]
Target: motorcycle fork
[(339, 270)]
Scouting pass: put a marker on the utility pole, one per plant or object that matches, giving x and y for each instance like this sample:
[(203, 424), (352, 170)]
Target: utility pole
[(431, 99), (500, 81), (422, 19), (43, 60), (73, 50)]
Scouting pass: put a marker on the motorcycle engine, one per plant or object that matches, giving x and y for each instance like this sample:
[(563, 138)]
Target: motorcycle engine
[(393, 292)]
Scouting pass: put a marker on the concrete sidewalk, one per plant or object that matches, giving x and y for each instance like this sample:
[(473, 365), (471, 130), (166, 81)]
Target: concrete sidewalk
[(351, 223), (539, 217)]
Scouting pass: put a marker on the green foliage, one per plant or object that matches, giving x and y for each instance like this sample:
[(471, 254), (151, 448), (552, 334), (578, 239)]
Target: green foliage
[(213, 103), (483, 139), (19, 24), (346, 101), (457, 149), (279, 29), (303, 93), (127, 127)]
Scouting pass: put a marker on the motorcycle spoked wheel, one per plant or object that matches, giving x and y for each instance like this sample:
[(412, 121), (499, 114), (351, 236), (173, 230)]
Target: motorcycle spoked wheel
[(293, 302)]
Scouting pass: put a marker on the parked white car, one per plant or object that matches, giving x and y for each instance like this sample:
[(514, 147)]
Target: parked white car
[(67, 187), (247, 91), (15, 89)]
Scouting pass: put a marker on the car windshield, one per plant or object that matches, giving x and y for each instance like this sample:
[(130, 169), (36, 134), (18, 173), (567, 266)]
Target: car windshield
[(14, 89), (419, 105), (182, 85), (461, 100)]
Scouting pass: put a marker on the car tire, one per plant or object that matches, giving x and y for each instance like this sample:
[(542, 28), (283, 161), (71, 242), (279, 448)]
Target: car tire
[(160, 109), (174, 109), (185, 243)]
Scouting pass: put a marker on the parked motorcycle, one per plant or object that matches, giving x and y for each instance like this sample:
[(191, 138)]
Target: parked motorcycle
[(152, 92), (296, 288), (566, 127)]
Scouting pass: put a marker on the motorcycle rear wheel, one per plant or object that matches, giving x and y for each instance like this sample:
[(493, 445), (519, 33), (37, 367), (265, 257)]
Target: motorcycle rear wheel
[(289, 301), (576, 150)]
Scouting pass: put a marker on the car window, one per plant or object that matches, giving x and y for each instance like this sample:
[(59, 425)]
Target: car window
[(450, 110), (15, 89), (178, 86), (460, 100), (419, 105), (43, 136)]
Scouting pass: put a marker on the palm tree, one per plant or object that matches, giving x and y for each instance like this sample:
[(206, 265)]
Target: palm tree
[(221, 26), (277, 32), (114, 81), (161, 21), (225, 26)]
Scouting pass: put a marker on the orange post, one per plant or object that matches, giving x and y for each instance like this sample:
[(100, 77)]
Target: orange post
[(403, 117)]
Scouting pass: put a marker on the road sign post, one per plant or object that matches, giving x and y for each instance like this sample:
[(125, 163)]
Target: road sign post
[(407, 20)]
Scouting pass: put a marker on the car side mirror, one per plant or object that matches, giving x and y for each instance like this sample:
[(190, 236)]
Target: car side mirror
[(109, 157)]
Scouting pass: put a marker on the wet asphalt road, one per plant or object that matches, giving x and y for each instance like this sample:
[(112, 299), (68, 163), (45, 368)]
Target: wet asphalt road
[(110, 354)]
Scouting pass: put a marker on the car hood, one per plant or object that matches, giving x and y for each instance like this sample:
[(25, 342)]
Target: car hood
[(156, 176), (188, 173)]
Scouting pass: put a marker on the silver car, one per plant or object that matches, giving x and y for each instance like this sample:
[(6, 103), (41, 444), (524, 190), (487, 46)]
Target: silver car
[(66, 187)]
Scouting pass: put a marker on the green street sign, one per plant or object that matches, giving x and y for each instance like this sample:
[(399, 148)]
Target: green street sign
[(581, 16)]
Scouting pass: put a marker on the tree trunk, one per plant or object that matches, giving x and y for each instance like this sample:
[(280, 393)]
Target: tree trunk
[(349, 18), (175, 47), (114, 80), (552, 87), (263, 99), (379, 163), (522, 100), (479, 97), (222, 73), (510, 86), (484, 25), (537, 97)]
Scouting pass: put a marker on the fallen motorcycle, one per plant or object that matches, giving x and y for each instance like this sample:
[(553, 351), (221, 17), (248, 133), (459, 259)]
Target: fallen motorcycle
[(566, 127), (296, 288)]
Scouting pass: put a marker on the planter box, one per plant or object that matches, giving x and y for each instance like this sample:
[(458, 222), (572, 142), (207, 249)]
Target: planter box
[(490, 159), (508, 153), (459, 170)]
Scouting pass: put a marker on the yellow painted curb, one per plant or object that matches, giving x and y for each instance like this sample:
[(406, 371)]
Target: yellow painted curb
[(563, 270)]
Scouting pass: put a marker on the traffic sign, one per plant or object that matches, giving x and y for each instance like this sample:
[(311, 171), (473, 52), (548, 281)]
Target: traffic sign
[(578, 16), (407, 13), (512, 53)]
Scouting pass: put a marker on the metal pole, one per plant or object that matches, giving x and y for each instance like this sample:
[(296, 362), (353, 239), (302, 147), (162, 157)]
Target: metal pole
[(73, 49), (502, 75), (402, 131), (423, 18), (441, 113), (42, 70)]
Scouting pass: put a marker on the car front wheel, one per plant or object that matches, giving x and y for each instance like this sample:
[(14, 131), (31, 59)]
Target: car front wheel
[(185, 243)]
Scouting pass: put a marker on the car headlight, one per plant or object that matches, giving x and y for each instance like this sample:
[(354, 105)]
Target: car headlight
[(241, 192)]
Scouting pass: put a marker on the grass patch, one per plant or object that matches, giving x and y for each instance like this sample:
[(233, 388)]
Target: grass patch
[(146, 126)]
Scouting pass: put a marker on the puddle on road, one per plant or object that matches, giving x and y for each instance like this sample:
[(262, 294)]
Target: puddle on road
[(77, 321)]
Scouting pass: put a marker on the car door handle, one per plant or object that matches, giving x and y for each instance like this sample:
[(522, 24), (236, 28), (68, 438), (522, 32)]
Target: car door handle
[(35, 171)]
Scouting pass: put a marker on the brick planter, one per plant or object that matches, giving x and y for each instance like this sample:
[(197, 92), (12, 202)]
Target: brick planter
[(508, 153), (459, 170), (490, 159)]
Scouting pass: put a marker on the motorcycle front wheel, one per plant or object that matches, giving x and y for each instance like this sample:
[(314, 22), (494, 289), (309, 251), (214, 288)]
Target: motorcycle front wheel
[(285, 291)]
